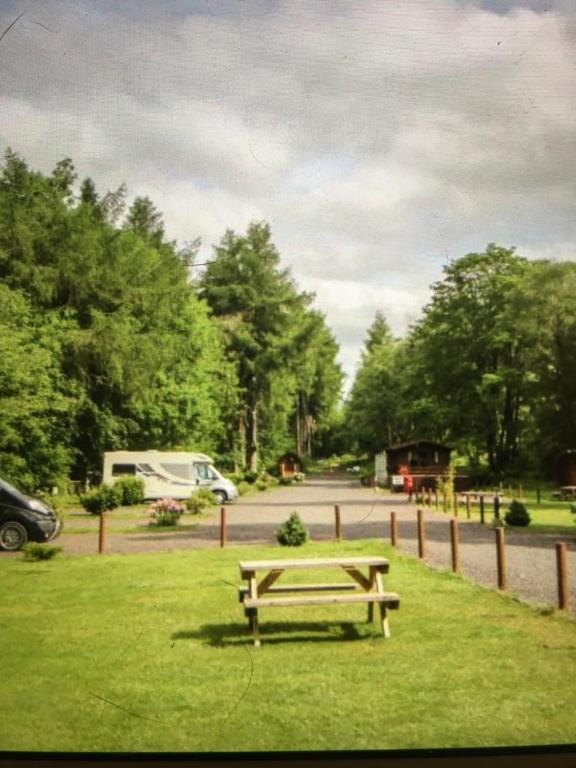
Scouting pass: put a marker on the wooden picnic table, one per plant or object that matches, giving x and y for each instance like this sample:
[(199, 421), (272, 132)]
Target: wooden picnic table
[(363, 588), (568, 492)]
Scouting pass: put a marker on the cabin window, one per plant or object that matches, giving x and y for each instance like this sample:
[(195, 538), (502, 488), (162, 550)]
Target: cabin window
[(123, 469), (178, 470)]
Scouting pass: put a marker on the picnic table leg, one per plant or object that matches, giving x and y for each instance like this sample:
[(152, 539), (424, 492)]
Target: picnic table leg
[(253, 617), (382, 606), (255, 629), (372, 582), (384, 620)]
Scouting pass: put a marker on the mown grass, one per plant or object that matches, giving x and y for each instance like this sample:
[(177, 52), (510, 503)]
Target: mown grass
[(152, 653), (548, 516)]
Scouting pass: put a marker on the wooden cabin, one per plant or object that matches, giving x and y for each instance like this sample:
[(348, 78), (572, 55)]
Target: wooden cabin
[(565, 468), (423, 461), (289, 465)]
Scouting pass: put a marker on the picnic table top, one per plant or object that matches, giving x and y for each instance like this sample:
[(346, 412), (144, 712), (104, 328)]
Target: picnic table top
[(320, 562)]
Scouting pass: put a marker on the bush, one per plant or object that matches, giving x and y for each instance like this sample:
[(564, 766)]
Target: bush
[(286, 481), (243, 487), (292, 533), (165, 512), (36, 551), (517, 514), (130, 490), (200, 500), (103, 499), (262, 485)]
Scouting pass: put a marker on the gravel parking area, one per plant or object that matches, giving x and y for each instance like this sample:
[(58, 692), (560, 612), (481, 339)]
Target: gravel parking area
[(365, 513)]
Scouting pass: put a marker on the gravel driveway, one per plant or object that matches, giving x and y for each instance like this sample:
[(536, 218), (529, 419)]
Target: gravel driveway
[(365, 513)]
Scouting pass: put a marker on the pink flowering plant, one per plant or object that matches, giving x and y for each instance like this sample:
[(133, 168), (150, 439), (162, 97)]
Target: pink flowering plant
[(165, 512)]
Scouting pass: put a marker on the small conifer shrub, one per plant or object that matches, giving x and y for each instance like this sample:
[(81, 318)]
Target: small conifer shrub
[(517, 514), (293, 532)]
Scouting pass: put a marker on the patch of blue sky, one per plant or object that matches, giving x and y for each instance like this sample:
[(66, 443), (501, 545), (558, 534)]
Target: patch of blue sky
[(317, 172)]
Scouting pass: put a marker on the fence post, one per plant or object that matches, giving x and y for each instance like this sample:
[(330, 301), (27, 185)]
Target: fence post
[(444, 501), (497, 507), (562, 571), (455, 541), (468, 506), (421, 535), (393, 529), (482, 509), (500, 558), (102, 533), (455, 504), (337, 522), (436, 497), (223, 527)]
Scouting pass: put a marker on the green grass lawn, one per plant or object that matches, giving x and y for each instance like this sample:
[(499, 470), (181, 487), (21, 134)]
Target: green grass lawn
[(152, 653), (547, 517)]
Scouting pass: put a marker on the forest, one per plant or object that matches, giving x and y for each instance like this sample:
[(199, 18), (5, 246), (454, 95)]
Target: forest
[(112, 337)]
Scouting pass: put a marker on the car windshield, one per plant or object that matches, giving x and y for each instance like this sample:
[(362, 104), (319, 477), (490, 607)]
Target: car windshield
[(8, 490)]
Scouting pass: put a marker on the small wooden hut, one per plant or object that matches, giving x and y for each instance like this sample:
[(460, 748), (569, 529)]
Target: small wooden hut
[(289, 465)]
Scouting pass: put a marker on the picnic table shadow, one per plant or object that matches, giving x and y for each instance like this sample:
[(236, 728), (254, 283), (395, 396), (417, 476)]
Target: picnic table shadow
[(274, 632)]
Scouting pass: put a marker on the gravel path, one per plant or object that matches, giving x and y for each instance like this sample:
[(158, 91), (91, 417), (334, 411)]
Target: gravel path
[(530, 557)]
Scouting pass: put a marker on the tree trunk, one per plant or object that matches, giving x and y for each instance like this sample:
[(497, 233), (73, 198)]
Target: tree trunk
[(252, 437)]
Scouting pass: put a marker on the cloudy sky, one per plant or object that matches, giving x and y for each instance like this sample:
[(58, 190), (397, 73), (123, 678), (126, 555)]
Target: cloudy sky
[(379, 138)]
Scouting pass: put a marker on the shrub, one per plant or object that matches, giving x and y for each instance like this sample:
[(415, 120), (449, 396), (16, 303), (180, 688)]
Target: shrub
[(250, 476), (293, 532), (201, 500), (130, 490), (573, 507), (36, 551), (103, 499), (243, 487), (286, 481), (262, 485), (165, 512), (517, 514)]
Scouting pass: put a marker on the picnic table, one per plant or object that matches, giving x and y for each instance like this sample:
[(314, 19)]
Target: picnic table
[(363, 588), (568, 492)]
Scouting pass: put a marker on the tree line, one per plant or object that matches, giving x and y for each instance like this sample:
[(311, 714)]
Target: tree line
[(490, 368), (108, 342)]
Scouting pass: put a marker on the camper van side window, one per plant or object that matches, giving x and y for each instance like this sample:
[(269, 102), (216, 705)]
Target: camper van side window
[(178, 470), (123, 469)]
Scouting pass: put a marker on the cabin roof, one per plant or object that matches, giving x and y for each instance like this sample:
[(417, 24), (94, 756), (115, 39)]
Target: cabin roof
[(416, 444)]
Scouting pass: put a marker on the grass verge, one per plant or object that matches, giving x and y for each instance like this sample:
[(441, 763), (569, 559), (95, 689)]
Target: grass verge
[(152, 653)]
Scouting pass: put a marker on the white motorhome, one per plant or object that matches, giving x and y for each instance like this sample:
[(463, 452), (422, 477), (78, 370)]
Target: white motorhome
[(174, 474)]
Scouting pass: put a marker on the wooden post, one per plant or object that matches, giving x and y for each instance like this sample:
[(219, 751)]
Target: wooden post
[(421, 535), (223, 526), (562, 571), (455, 504), (430, 497), (497, 507), (444, 501), (393, 529), (482, 509), (436, 497), (500, 558), (337, 522), (102, 533), (455, 541), (468, 506)]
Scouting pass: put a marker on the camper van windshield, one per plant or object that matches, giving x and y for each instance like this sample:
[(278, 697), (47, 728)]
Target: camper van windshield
[(205, 472), (178, 470)]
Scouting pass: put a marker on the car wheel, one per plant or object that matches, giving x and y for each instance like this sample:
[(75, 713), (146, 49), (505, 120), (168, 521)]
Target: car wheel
[(13, 536), (221, 497)]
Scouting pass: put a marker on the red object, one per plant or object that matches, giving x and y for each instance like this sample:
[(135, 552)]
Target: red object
[(408, 483)]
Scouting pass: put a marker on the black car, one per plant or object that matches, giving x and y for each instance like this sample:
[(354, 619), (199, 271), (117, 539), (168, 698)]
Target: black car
[(24, 519)]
